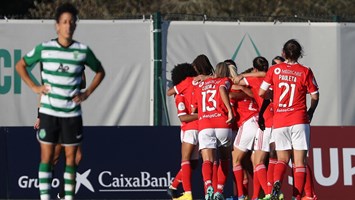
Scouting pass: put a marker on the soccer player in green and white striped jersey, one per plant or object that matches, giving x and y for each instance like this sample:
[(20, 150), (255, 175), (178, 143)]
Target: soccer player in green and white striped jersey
[(62, 63)]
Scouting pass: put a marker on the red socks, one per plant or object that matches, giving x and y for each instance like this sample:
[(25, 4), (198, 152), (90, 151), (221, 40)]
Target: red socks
[(177, 180), (270, 174), (186, 175), (215, 175), (239, 175), (207, 173), (309, 187), (299, 179), (223, 170), (260, 173), (279, 171)]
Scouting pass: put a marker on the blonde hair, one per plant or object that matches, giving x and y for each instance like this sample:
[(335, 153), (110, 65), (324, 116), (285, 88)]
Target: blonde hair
[(222, 70), (233, 71)]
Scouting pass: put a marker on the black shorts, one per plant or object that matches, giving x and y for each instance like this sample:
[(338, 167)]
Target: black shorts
[(67, 131)]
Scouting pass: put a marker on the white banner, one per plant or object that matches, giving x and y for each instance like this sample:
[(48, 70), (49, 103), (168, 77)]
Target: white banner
[(123, 47)]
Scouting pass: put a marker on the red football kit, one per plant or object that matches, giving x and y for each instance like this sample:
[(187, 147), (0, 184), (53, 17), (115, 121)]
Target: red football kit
[(184, 108), (212, 112), (291, 83), (254, 83)]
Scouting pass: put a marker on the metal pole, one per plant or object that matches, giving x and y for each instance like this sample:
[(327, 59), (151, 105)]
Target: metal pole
[(157, 69)]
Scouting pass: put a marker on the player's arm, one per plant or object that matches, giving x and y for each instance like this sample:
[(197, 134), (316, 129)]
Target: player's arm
[(83, 81), (313, 106), (171, 91), (21, 70), (38, 121), (242, 85), (261, 120), (99, 76), (243, 93), (240, 77), (263, 88), (188, 118), (247, 91), (225, 98), (255, 74)]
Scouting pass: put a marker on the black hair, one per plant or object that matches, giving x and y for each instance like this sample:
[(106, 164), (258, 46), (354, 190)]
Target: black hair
[(248, 70), (277, 58), (230, 62), (292, 50), (202, 65), (261, 64), (66, 8), (181, 71)]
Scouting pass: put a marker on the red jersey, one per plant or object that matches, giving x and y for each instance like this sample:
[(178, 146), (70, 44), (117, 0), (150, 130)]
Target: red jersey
[(254, 83), (212, 112), (187, 88), (247, 108), (291, 83), (184, 108)]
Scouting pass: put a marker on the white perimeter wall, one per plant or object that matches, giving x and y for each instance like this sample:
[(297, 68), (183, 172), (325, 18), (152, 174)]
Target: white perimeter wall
[(125, 49)]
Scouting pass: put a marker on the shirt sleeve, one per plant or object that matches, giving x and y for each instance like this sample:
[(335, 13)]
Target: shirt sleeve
[(92, 61), (182, 86), (311, 83), (267, 82), (180, 105), (34, 56)]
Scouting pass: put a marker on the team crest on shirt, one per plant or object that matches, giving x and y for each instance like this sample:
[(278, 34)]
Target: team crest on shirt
[(181, 106), (76, 54), (42, 133)]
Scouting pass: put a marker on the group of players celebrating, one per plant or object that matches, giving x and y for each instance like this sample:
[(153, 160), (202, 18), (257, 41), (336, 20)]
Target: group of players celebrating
[(225, 116)]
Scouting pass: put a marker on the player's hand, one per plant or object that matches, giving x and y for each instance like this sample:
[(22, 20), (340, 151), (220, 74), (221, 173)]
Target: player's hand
[(41, 89), (36, 125), (231, 118), (80, 97), (261, 122)]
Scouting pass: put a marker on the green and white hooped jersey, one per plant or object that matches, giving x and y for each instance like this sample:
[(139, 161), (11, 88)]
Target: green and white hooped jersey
[(61, 70)]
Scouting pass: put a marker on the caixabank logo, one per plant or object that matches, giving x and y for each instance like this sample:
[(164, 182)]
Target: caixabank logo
[(108, 182)]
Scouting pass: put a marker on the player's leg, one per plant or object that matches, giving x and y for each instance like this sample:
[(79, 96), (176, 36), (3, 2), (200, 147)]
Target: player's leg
[(57, 152), (78, 156), (45, 170), (47, 135), (70, 171), (261, 149), (224, 136), (299, 172), (309, 185), (271, 167), (172, 190), (242, 144), (300, 141), (72, 135), (207, 145), (283, 149), (187, 148)]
